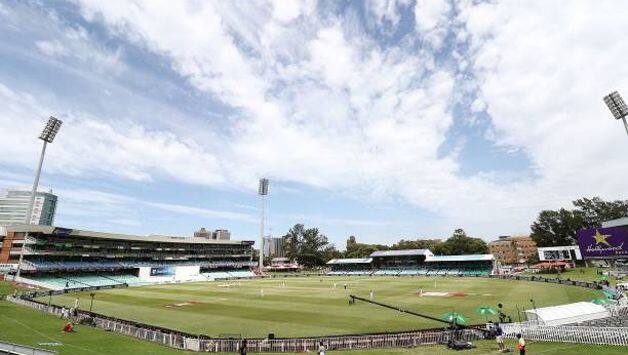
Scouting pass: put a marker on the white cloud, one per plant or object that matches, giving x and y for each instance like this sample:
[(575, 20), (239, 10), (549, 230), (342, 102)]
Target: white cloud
[(542, 70), (124, 210), (288, 10), (202, 212), (51, 48), (88, 145), (478, 105), (431, 20), (69, 45), (386, 11), (318, 101)]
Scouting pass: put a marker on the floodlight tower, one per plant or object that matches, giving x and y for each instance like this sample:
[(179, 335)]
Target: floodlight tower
[(48, 136), (617, 106), (262, 191)]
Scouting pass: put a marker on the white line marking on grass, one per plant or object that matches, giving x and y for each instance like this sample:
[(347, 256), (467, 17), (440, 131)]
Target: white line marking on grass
[(49, 337)]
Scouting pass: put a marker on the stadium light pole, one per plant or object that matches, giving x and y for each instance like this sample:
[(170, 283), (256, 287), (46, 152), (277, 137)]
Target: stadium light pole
[(48, 136), (617, 106), (262, 191)]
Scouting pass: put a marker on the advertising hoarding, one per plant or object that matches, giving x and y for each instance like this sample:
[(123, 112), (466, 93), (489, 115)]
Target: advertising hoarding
[(162, 271), (604, 243)]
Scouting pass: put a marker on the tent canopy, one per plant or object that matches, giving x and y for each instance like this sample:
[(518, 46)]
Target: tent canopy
[(548, 264), (567, 313)]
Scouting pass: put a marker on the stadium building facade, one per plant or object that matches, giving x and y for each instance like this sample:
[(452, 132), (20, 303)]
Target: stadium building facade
[(64, 258), (414, 262), (512, 250)]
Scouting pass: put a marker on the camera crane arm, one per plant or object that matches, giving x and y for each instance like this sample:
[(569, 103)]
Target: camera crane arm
[(354, 297)]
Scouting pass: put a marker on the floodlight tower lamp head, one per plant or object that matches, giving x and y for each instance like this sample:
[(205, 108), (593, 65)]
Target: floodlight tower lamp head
[(50, 131), (263, 187), (616, 105)]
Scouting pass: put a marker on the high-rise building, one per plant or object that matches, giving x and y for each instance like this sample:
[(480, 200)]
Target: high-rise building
[(218, 234), (222, 234), (203, 233), (273, 247), (513, 250), (14, 206)]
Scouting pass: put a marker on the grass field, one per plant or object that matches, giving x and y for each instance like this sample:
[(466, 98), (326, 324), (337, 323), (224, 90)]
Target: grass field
[(312, 306), (25, 326), (579, 274)]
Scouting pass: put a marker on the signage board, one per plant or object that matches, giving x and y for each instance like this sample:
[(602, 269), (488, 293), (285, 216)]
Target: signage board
[(604, 243)]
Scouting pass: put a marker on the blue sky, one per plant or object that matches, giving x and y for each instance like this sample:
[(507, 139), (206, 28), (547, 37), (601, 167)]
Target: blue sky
[(380, 119)]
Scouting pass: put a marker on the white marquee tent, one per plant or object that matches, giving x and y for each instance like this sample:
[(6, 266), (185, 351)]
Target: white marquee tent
[(567, 313)]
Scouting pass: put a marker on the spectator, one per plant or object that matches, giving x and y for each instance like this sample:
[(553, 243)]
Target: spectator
[(499, 337), (321, 349), (521, 345), (68, 328), (243, 347)]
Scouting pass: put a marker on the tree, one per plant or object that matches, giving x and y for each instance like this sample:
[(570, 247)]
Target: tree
[(361, 250), (431, 244), (308, 247), (533, 259), (459, 243), (292, 241), (312, 247), (331, 253), (594, 211), (557, 228)]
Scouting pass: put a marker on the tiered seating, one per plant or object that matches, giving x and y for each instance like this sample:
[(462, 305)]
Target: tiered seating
[(389, 272), (113, 265), (94, 280), (75, 265), (217, 275), (57, 283), (130, 280), (414, 272), (242, 274)]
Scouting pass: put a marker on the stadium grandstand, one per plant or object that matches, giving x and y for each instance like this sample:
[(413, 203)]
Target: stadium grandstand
[(414, 262), (362, 266), (61, 258), (282, 264)]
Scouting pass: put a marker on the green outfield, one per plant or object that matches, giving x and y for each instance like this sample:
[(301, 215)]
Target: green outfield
[(581, 274), (311, 306)]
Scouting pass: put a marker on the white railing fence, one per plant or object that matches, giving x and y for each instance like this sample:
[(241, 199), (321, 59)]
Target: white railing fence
[(9, 348), (186, 341), (568, 333), (393, 340)]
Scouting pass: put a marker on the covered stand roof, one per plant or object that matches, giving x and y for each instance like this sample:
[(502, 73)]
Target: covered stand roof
[(453, 258), (350, 261), (405, 252), (77, 233), (567, 313)]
